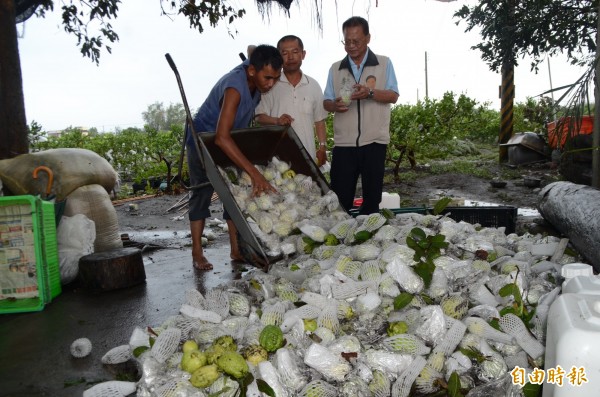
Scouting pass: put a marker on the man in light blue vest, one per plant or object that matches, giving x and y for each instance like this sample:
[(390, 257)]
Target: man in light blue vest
[(361, 121)]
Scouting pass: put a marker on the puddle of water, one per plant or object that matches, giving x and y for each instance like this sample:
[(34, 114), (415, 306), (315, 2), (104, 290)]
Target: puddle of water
[(145, 235), (520, 211)]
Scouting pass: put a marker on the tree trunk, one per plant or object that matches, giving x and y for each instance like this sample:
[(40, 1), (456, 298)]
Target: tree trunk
[(13, 125), (574, 210)]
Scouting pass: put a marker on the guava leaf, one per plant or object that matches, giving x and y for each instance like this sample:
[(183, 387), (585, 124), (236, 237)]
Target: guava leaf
[(418, 234), (511, 289), (532, 390), (425, 271), (454, 385), (402, 300), (139, 350), (441, 205), (388, 213), (265, 388)]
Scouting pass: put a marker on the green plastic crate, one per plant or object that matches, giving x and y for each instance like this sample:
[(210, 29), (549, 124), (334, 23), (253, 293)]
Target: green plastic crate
[(24, 212)]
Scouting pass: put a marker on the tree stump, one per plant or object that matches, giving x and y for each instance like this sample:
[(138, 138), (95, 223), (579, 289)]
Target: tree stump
[(114, 269)]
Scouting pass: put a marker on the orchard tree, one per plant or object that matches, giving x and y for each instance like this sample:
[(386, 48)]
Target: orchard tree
[(159, 118), (513, 29), (89, 21)]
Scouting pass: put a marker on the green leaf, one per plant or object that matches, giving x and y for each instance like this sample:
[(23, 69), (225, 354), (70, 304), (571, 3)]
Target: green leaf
[(294, 267), (244, 382), (454, 385), (265, 388), (220, 392), (427, 299), (308, 240), (139, 350), (495, 324), (388, 213), (473, 354), (507, 310), (441, 205), (418, 234), (509, 289), (402, 300), (532, 390), (527, 318), (412, 243), (425, 271)]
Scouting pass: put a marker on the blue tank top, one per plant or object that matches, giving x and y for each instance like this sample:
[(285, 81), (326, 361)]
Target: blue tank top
[(207, 116)]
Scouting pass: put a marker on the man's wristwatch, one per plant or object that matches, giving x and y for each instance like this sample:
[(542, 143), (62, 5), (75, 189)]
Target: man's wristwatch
[(322, 144), (371, 94)]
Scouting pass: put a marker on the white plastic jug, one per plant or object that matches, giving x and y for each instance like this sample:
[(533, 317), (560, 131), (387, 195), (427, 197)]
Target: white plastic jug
[(389, 200), (572, 342)]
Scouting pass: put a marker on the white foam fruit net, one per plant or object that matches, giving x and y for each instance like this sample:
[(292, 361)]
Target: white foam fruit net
[(513, 325), (117, 355), (407, 344), (218, 301), (194, 298), (200, 314), (318, 388), (480, 327), (113, 388), (350, 292), (81, 347), (166, 344), (402, 385)]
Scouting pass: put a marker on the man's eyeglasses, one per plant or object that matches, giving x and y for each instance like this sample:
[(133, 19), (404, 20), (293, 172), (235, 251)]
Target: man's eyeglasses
[(350, 43)]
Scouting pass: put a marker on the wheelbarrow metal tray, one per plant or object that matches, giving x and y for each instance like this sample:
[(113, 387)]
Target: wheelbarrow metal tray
[(259, 145)]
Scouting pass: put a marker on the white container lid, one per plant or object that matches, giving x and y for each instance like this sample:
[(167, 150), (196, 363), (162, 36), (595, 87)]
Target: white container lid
[(571, 270)]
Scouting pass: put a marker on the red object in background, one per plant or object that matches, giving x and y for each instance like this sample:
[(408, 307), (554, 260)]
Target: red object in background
[(357, 202), (586, 128)]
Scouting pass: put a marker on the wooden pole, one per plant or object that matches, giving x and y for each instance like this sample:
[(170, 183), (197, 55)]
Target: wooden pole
[(507, 89), (426, 79), (507, 94)]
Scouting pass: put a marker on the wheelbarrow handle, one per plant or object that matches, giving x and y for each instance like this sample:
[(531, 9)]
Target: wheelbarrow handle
[(190, 122), (50, 177)]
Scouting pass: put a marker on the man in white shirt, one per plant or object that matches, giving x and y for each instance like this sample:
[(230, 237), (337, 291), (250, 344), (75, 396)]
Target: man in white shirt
[(296, 100)]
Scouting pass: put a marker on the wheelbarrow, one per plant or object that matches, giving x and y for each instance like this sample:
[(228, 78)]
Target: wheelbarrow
[(259, 145)]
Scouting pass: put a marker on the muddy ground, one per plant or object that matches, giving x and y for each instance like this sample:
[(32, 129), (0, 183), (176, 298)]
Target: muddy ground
[(162, 219)]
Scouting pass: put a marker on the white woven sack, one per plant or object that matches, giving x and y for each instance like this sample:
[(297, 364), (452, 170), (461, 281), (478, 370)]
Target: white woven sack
[(71, 168), (94, 202)]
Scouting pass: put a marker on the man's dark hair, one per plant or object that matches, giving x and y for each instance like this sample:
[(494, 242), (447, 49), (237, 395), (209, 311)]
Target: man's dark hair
[(265, 55), (370, 77), (291, 37), (356, 21)]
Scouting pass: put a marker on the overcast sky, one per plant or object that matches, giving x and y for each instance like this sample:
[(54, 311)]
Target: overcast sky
[(62, 88)]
